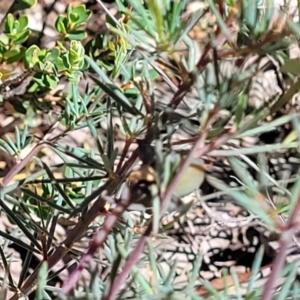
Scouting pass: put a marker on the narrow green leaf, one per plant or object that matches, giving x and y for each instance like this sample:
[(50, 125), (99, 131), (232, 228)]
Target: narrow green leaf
[(262, 128), (25, 267), (250, 203), (242, 173), (20, 224), (18, 139), (42, 281), (58, 187), (114, 93), (44, 200), (255, 269), (24, 136), (253, 150)]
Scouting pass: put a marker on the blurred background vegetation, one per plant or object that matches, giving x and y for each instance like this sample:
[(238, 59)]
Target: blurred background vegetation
[(105, 104)]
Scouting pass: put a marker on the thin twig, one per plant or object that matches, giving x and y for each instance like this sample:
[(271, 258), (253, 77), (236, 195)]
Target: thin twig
[(98, 240), (130, 262), (285, 243)]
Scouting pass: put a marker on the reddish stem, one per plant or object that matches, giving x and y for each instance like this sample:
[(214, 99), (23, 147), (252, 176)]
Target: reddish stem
[(285, 243)]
